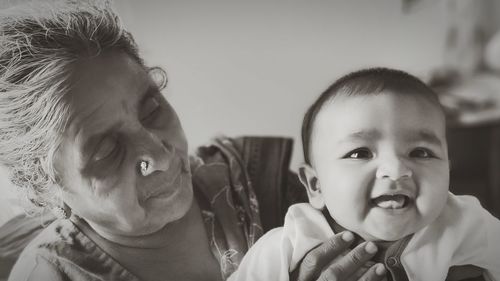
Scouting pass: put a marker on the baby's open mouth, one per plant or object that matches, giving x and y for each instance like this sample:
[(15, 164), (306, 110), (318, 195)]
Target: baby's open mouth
[(395, 201)]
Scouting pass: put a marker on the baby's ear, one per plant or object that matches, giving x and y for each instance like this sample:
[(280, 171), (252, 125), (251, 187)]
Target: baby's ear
[(309, 180)]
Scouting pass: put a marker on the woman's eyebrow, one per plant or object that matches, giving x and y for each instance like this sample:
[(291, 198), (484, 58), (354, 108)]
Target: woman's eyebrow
[(90, 143)]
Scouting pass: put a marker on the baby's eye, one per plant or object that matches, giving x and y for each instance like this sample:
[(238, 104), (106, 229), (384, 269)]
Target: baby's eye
[(359, 153), (421, 153), (150, 107), (106, 148)]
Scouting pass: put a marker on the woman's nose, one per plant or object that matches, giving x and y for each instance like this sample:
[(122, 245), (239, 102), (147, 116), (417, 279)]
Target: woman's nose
[(153, 155), (393, 168)]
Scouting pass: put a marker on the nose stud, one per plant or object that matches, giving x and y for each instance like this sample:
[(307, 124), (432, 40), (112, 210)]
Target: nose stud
[(144, 167)]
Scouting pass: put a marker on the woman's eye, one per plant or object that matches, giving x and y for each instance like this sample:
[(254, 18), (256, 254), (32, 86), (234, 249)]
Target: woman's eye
[(106, 148), (421, 153), (150, 108), (360, 153)]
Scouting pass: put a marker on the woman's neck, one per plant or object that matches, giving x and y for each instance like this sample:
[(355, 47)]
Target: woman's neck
[(180, 250), (159, 239)]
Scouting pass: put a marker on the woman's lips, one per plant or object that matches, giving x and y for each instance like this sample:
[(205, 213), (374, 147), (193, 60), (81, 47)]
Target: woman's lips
[(163, 184)]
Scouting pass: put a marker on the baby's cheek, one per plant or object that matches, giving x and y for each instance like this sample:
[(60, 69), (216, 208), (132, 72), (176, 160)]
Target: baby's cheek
[(430, 205)]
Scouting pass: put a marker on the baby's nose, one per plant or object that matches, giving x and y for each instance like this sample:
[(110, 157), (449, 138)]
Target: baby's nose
[(394, 169)]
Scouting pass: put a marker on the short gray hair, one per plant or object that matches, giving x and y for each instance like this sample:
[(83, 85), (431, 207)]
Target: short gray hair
[(38, 46)]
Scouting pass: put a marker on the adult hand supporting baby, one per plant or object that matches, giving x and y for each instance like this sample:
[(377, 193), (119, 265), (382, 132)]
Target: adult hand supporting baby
[(317, 264)]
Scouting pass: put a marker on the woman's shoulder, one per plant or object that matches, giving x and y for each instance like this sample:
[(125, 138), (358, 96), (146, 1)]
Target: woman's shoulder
[(40, 258), (62, 251), (55, 237)]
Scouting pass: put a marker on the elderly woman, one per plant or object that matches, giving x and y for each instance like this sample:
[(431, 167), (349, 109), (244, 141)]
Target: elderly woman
[(86, 133)]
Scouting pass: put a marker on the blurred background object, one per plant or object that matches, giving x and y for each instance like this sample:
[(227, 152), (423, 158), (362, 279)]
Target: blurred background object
[(469, 86), (469, 78)]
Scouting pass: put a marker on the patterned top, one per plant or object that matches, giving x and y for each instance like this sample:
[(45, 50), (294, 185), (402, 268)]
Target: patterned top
[(229, 206)]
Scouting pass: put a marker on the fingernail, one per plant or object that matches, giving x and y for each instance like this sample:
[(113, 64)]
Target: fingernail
[(371, 248), (380, 269), (347, 236)]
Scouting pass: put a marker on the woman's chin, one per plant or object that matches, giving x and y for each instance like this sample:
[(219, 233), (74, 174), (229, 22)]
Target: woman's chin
[(175, 209)]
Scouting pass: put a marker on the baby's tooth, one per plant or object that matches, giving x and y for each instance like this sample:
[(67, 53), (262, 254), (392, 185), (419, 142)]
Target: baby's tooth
[(395, 203)]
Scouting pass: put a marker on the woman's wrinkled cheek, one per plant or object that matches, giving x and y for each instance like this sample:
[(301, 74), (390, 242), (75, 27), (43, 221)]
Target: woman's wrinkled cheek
[(103, 187), (119, 202)]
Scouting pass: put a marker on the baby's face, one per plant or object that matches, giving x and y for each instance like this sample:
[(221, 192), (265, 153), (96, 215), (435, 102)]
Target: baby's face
[(381, 163)]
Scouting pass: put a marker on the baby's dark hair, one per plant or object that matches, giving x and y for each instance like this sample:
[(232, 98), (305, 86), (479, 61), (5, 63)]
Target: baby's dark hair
[(371, 81)]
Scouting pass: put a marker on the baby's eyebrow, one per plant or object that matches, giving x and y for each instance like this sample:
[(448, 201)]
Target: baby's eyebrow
[(363, 136), (425, 136), (411, 136)]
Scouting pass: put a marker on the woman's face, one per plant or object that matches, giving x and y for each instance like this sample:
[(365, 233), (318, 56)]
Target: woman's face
[(118, 119)]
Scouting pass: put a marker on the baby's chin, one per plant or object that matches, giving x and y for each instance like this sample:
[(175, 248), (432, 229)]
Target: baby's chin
[(384, 236), (388, 230)]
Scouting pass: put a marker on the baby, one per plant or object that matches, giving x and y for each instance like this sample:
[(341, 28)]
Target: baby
[(377, 165)]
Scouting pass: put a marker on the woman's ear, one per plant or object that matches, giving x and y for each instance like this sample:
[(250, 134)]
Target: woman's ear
[(309, 180)]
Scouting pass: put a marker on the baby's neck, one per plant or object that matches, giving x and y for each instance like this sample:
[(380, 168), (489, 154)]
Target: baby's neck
[(381, 245)]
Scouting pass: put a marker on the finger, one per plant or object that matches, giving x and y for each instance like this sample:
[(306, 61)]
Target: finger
[(315, 260), (349, 264), (376, 273)]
